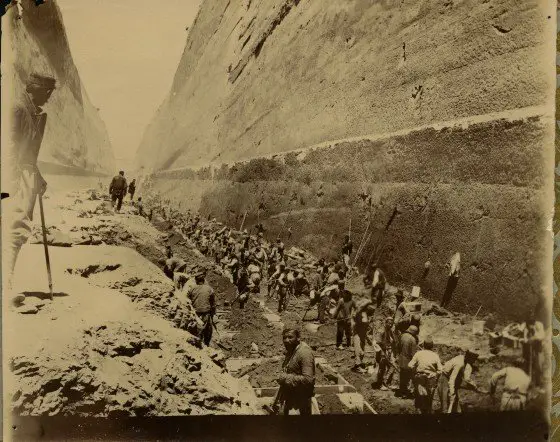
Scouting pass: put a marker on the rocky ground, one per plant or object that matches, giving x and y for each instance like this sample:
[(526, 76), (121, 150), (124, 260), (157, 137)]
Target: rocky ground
[(109, 343)]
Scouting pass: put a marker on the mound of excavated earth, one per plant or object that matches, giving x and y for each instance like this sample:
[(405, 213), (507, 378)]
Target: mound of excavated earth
[(108, 344)]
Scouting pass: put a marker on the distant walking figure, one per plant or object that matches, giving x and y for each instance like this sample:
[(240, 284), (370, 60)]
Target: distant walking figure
[(132, 189), (117, 189), (454, 266)]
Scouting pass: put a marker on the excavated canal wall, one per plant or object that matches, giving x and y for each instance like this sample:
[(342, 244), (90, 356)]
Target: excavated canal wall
[(309, 114), (75, 140)]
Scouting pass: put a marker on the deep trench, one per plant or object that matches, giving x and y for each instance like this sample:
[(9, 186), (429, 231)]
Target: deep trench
[(251, 327)]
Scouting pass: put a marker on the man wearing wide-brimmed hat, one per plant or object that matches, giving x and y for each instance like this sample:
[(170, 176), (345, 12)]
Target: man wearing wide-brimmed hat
[(456, 374)]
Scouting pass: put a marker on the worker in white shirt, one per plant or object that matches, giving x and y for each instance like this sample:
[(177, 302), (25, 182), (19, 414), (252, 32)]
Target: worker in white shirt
[(426, 367), (454, 266), (533, 337), (456, 375), (516, 386)]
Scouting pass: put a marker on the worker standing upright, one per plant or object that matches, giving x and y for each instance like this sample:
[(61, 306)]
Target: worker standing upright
[(532, 344), (297, 381), (117, 190), (21, 178), (132, 189), (408, 346), (454, 266), (347, 248), (204, 304), (426, 367), (345, 307), (362, 317)]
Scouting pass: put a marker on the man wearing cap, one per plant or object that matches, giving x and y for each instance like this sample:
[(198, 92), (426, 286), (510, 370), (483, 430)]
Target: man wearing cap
[(456, 374), (118, 189), (425, 367), (516, 386), (204, 304), (21, 178), (297, 382), (408, 348)]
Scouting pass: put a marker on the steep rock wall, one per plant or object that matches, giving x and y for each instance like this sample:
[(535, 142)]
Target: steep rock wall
[(441, 109), (75, 139)]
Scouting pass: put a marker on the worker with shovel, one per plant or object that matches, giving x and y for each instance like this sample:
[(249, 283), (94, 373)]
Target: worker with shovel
[(21, 177), (456, 375)]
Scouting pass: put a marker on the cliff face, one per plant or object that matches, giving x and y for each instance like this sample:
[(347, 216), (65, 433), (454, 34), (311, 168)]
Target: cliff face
[(75, 139), (441, 109)]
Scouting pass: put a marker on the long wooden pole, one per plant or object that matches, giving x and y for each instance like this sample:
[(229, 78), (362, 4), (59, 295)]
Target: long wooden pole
[(243, 222), (46, 246)]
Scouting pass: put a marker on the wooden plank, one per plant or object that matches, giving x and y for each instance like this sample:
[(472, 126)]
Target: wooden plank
[(319, 389)]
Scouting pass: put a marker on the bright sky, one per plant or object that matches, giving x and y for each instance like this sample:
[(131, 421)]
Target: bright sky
[(127, 52)]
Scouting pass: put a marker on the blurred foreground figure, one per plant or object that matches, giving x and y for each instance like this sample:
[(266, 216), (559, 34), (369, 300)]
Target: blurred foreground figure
[(516, 386), (23, 181)]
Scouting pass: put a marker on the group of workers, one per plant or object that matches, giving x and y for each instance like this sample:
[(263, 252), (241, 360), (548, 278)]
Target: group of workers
[(250, 259)]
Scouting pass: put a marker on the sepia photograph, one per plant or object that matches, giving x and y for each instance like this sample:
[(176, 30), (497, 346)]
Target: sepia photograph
[(259, 218)]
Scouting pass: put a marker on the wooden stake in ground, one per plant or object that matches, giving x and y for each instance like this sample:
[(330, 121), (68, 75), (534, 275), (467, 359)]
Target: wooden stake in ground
[(46, 246), (243, 222)]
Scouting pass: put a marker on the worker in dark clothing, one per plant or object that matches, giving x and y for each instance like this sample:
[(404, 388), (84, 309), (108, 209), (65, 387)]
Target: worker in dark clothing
[(297, 381), (140, 207), (132, 189), (301, 284), (243, 286), (343, 315), (408, 347), (282, 285), (387, 367), (204, 304), (378, 284), (117, 190)]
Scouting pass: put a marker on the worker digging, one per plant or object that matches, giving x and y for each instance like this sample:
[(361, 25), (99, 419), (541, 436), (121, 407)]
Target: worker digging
[(323, 209), (381, 325)]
